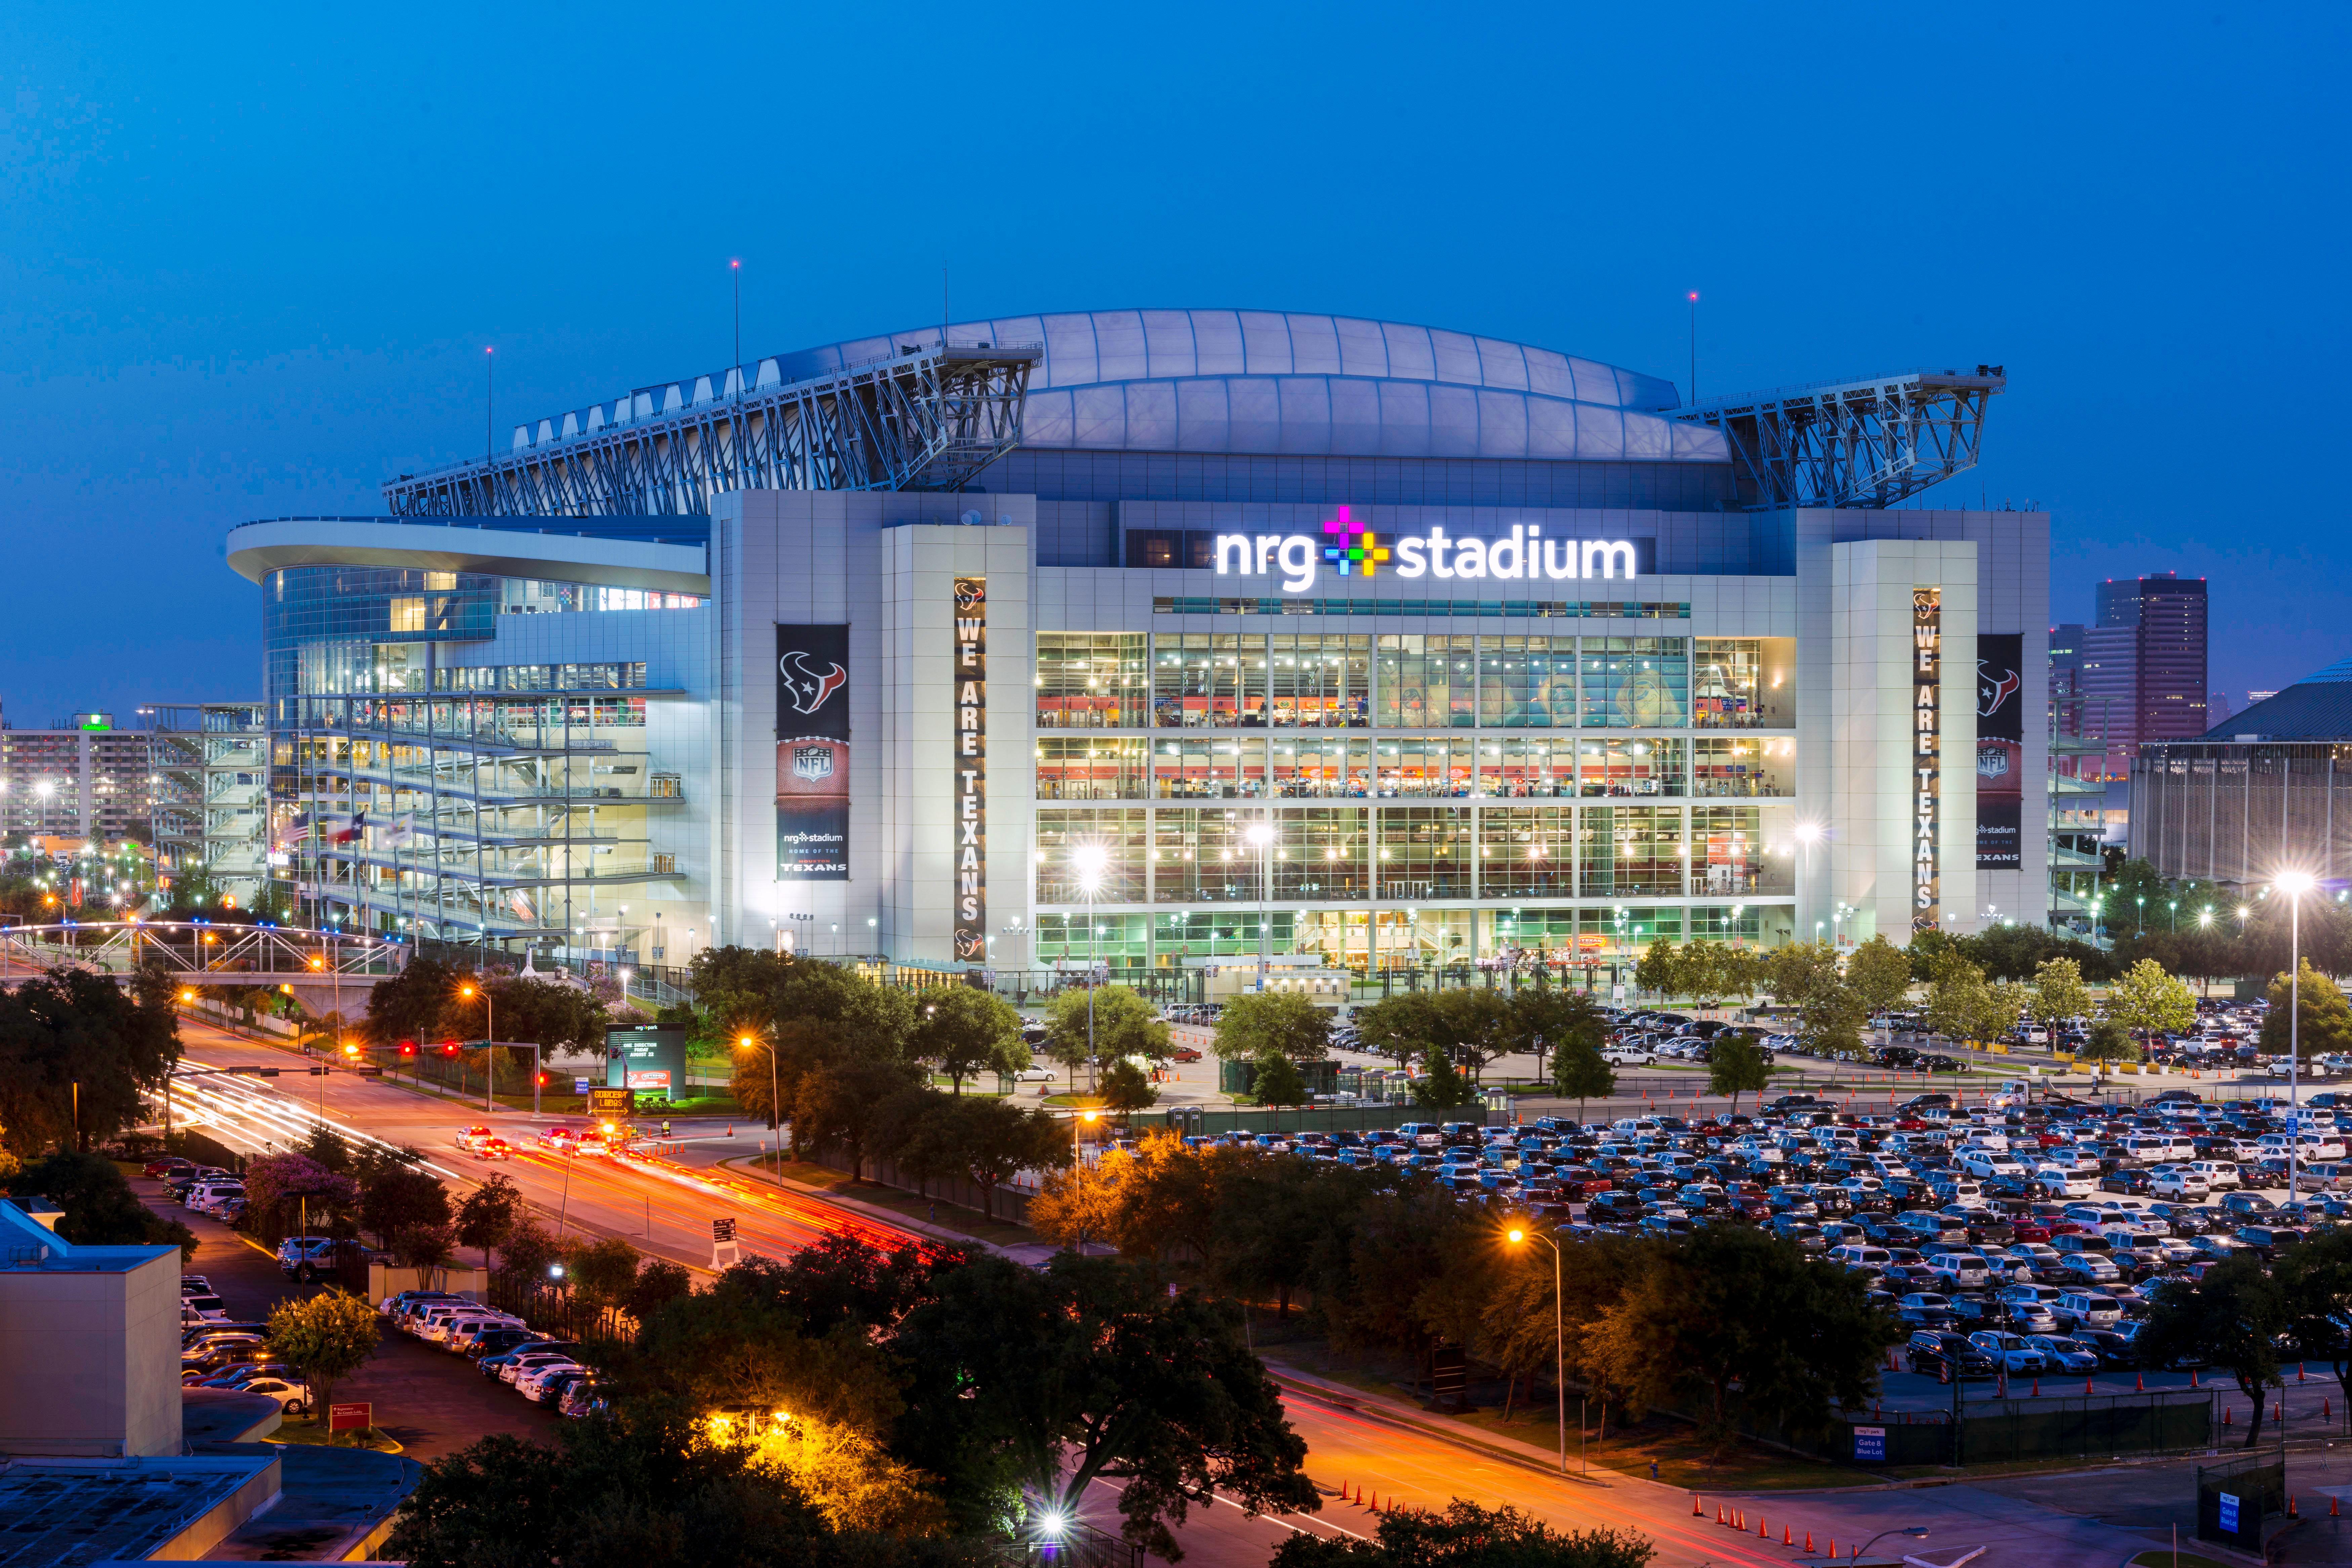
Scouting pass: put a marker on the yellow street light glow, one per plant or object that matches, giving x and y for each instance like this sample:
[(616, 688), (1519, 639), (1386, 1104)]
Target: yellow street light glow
[(1514, 1235)]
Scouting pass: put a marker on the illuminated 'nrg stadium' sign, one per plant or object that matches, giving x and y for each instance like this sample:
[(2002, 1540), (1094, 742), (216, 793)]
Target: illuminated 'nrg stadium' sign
[(1522, 555)]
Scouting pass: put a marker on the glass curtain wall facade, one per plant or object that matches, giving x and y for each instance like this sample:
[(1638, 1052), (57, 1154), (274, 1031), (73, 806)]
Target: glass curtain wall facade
[(1560, 799)]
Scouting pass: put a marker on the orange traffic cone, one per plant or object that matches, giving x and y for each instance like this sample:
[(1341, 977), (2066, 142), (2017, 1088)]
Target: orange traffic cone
[(2331, 1506), (2193, 1379), (1696, 1512), (1786, 1539), (1763, 1531), (2228, 1417), (2291, 1512), (2140, 1382), (1719, 1515), (2037, 1388), (2298, 1372), (1808, 1543), (2086, 1387)]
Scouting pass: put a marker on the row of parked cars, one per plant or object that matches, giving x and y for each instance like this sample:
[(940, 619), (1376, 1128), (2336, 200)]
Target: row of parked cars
[(217, 1351), (543, 1369), (201, 1189)]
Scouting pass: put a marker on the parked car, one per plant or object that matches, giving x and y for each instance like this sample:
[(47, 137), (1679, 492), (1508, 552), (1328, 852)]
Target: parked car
[(1946, 1355)]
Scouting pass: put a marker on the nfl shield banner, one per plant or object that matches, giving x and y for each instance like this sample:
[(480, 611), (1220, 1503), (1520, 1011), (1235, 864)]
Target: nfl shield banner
[(2001, 750), (811, 753)]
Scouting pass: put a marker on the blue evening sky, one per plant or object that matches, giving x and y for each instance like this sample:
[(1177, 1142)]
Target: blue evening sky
[(249, 255)]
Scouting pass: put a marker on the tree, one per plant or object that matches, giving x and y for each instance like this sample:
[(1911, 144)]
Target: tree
[(1545, 1019), (2315, 1276), (1270, 1220), (100, 1209), (273, 1182), (1467, 1536), (1830, 1018), (1751, 1321), (2108, 1042), (1277, 1082), (1578, 1072), (1281, 1023), (1736, 1066), (2149, 1001), (1125, 1090), (965, 1032), (398, 1200), (1474, 1026), (1880, 974), (1738, 972), (1125, 1025), (1793, 973), (408, 1005), (997, 1141), (528, 1250), (2059, 994), (2324, 1021), (1662, 970), (1092, 1370), (602, 1272), (1440, 1086), (1957, 997), (77, 1054), (324, 1338), (658, 1283), (837, 1103), (1398, 1027), (426, 1249), (2232, 1317), (489, 1214)]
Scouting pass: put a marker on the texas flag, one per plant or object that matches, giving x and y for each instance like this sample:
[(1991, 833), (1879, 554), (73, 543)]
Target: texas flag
[(350, 832)]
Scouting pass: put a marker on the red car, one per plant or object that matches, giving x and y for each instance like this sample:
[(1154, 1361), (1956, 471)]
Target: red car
[(1186, 1053), (2027, 1230)]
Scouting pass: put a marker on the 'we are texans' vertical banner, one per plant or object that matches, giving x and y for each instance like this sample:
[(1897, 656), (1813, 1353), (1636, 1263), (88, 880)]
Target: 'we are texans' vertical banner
[(972, 769)]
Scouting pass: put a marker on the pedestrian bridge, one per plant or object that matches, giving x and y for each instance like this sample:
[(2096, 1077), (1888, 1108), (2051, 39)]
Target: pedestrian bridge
[(319, 967)]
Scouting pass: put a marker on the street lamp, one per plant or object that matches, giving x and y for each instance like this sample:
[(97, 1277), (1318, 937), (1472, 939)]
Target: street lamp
[(2294, 884), (489, 1034), (775, 1096), (1261, 835), (1077, 1141), (1558, 1338), (1916, 1531)]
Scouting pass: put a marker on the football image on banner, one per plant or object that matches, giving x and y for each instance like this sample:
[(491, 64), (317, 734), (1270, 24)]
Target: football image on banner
[(970, 764), (811, 753), (2001, 750)]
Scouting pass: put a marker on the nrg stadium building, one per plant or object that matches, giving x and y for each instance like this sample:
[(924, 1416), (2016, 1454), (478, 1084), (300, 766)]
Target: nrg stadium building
[(1168, 639)]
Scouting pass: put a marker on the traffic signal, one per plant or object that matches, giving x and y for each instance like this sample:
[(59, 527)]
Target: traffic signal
[(448, 1048), (542, 1080), (408, 1048)]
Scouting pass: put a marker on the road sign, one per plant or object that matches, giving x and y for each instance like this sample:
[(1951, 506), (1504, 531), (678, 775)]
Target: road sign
[(612, 1102), (723, 1250), (350, 1417), (1870, 1443), (722, 1230)]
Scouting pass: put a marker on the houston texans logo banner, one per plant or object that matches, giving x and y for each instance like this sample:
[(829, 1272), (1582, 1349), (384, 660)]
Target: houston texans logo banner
[(812, 753), (2001, 750)]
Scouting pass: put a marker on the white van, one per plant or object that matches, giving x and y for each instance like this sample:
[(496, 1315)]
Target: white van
[(2064, 1181), (2221, 1175), (1961, 1270), (1861, 1254), (1986, 1163)]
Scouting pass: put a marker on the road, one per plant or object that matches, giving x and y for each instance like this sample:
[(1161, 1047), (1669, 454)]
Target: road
[(663, 1202)]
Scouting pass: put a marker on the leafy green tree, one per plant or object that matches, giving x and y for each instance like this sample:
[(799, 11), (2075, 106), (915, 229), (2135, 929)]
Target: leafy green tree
[(409, 1004), (1578, 1072), (964, 1031), (1831, 1019), (1281, 1023), (528, 1250), (2108, 1041), (100, 1209), (1547, 1018), (1271, 1217), (2324, 1023), (1748, 1319), (1401, 1027), (324, 1338), (2146, 1000), (1739, 972), (396, 1200), (1466, 1535), (2315, 1276), (2234, 1318), (1092, 1371), (1736, 1066), (1440, 1086), (601, 1273), (1125, 1025), (1474, 1026), (2059, 994), (1125, 1090), (658, 1283), (1277, 1081), (996, 1141), (1880, 974), (489, 1214), (1957, 997), (2134, 895), (1662, 970), (77, 1054), (840, 1102), (1793, 973)]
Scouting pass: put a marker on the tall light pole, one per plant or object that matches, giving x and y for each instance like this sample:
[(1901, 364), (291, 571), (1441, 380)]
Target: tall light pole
[(2294, 884), (1090, 859), (1808, 835), (775, 1095), (1558, 1337), (1077, 1141), (489, 1034), (1261, 835)]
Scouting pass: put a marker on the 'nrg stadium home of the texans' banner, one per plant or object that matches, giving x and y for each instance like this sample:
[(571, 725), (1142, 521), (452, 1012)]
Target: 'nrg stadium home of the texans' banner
[(811, 753), (2001, 750)]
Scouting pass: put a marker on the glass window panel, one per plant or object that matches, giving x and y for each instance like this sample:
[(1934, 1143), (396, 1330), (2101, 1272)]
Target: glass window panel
[(1118, 832), (1118, 941), (1090, 680), (1427, 766), (1071, 767), (1204, 855), (1630, 851), (1527, 682), (1635, 683), (1521, 767), (1424, 852), (1321, 853), (1325, 766), (1526, 850), (1631, 765), (1729, 853), (1207, 767), (1228, 933), (1426, 682), (1740, 925), (1750, 766), (1744, 683), (1208, 680), (1321, 681)]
